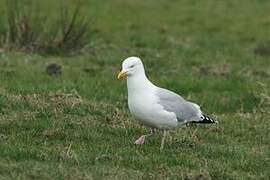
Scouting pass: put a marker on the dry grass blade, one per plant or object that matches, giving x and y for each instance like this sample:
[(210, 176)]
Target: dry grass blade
[(73, 29)]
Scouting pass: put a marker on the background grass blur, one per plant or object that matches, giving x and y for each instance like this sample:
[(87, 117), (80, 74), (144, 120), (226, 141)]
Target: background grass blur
[(76, 125)]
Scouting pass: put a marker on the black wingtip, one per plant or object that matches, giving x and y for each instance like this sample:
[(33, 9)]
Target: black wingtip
[(205, 120)]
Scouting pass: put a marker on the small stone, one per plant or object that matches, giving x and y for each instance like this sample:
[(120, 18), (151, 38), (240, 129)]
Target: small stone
[(53, 69)]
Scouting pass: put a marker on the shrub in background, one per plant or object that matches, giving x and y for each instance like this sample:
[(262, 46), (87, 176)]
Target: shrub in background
[(24, 28)]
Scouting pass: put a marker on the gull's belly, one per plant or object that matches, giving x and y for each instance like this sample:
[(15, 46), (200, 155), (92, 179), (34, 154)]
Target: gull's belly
[(149, 112)]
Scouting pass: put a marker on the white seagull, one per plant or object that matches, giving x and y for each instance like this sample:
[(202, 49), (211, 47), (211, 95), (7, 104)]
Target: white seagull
[(156, 107)]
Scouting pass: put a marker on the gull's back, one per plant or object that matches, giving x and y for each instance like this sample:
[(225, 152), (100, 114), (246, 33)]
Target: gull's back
[(184, 110)]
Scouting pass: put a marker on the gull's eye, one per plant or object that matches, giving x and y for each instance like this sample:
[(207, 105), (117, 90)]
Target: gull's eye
[(132, 66)]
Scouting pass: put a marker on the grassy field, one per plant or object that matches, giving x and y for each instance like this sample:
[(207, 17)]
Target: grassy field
[(77, 125)]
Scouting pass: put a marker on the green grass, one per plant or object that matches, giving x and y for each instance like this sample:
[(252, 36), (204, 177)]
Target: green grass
[(77, 125)]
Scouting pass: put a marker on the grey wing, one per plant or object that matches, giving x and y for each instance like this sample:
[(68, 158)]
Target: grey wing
[(172, 102)]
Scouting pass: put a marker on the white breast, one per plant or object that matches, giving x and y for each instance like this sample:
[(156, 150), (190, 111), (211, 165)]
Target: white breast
[(144, 107)]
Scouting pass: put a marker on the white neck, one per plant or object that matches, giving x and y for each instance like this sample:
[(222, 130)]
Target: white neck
[(138, 83)]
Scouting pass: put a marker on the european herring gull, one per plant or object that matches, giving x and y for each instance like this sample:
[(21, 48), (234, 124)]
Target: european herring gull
[(156, 107)]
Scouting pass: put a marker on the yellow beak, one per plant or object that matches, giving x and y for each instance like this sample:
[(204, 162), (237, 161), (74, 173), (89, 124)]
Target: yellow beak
[(122, 74)]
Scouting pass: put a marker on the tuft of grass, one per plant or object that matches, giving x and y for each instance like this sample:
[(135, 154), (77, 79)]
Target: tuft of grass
[(27, 29)]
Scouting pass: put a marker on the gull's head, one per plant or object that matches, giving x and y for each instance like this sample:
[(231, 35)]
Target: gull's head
[(130, 67)]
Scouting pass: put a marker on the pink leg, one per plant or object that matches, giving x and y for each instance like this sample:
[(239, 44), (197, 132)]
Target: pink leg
[(141, 139)]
